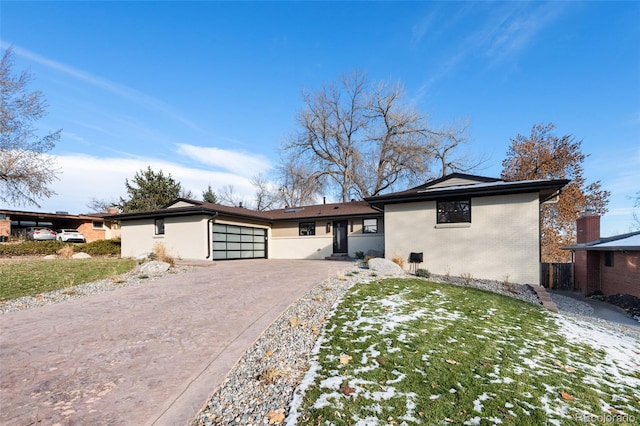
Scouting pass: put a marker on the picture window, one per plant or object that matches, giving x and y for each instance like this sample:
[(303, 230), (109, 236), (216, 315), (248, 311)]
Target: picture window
[(307, 228), (454, 211), (370, 226)]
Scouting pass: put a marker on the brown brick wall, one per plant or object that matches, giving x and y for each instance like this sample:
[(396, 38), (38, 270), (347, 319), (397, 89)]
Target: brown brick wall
[(587, 229), (91, 234), (5, 227), (624, 276), (580, 271), (586, 271)]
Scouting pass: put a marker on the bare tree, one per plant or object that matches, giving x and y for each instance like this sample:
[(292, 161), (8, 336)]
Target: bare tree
[(445, 147), (227, 196), (26, 171), (298, 184), (266, 197), (362, 139), (101, 206)]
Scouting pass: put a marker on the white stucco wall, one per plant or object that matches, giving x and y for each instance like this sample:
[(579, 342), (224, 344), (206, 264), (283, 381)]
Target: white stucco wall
[(285, 243), (307, 247), (184, 237), (502, 239)]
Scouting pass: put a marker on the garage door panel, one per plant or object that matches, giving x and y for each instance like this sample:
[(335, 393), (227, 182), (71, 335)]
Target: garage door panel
[(238, 242)]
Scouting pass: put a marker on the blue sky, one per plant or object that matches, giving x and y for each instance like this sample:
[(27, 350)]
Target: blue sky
[(208, 91)]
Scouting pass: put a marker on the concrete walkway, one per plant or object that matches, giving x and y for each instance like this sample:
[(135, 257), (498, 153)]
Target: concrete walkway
[(144, 355), (602, 310)]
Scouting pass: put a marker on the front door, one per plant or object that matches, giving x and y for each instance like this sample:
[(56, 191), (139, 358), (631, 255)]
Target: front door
[(340, 236)]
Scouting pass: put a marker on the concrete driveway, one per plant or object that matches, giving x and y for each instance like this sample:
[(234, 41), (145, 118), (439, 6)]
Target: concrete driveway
[(150, 354)]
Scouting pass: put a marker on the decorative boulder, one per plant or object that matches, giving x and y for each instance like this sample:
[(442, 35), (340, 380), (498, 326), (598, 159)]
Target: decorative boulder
[(81, 255), (385, 267), (50, 256), (154, 267)]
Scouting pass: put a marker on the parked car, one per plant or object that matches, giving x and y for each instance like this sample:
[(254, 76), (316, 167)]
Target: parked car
[(40, 234), (70, 235)]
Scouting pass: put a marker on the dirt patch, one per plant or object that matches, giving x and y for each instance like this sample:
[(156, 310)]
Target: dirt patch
[(629, 303)]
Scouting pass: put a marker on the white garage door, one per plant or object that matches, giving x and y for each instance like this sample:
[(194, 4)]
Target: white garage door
[(238, 242)]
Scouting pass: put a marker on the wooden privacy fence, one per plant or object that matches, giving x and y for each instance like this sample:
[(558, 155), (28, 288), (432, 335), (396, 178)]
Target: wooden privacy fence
[(557, 276)]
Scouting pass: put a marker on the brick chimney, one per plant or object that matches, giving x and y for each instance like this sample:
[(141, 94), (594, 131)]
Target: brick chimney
[(588, 227)]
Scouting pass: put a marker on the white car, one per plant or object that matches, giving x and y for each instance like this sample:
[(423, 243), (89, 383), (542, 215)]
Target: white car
[(70, 235), (40, 234)]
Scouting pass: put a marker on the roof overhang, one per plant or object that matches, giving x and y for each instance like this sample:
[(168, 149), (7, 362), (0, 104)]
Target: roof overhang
[(546, 188)]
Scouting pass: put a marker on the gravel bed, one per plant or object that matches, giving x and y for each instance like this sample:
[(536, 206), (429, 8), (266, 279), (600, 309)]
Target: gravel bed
[(129, 279)]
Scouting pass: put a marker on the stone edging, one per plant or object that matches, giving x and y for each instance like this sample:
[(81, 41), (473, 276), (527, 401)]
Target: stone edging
[(545, 298)]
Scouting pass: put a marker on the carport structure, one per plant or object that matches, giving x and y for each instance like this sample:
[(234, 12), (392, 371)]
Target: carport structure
[(13, 223)]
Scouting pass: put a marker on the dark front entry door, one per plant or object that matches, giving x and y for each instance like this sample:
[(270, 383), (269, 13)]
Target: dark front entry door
[(340, 236)]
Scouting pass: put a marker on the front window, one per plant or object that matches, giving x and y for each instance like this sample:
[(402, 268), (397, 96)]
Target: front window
[(454, 211), (307, 228), (159, 224), (97, 225), (370, 226)]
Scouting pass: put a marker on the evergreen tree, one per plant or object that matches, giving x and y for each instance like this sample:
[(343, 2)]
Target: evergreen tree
[(209, 196), (149, 191)]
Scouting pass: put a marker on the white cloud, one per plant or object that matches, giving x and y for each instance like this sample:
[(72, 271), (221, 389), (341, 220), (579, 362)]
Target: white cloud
[(243, 164), (84, 177)]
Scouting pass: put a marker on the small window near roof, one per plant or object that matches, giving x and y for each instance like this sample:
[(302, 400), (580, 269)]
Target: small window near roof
[(370, 226), (159, 225), (608, 258), (97, 225), (454, 211), (307, 228)]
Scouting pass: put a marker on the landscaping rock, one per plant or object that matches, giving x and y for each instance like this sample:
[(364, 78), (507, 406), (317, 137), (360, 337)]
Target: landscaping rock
[(81, 255), (385, 267), (374, 253), (50, 257), (143, 256), (154, 267)]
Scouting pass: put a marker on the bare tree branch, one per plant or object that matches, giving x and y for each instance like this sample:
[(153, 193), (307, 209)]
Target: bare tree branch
[(361, 140), (26, 171)]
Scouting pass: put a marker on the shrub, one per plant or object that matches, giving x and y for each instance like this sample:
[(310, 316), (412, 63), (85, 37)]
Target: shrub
[(31, 248), (100, 248), (467, 277), (66, 251), (161, 254), (398, 260), (43, 248), (424, 273), (360, 255)]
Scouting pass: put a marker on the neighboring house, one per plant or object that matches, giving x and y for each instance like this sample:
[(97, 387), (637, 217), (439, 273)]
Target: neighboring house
[(610, 264), (198, 230), (461, 223), (470, 225), (93, 226)]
